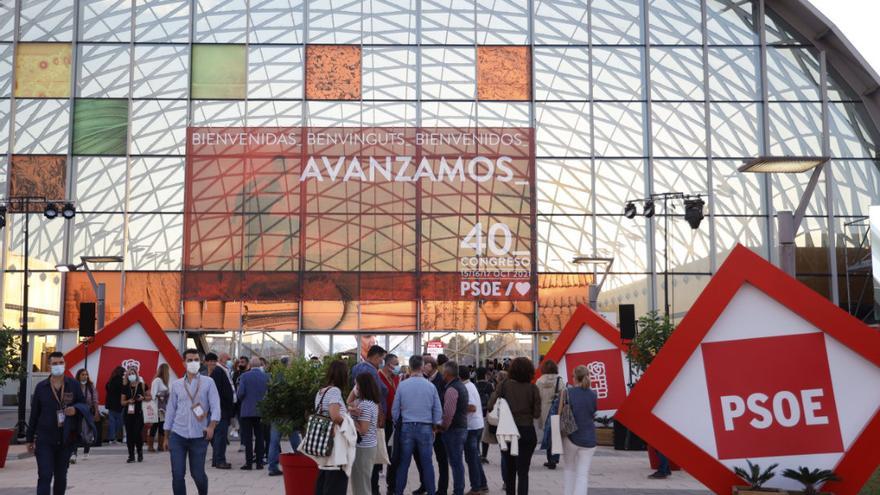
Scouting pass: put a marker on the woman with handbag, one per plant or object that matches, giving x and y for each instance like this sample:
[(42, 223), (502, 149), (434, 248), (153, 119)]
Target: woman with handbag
[(330, 402), (550, 384), (578, 402), (134, 393), (524, 400), (365, 412), (91, 397), (159, 391)]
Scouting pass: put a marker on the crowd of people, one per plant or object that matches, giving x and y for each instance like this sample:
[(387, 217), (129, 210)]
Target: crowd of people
[(433, 412)]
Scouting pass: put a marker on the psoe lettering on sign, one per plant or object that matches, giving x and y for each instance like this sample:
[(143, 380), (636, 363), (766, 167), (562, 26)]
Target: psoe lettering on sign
[(785, 409)]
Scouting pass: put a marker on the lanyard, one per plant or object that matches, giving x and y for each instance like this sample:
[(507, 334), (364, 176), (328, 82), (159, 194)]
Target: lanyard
[(58, 396), (192, 397)]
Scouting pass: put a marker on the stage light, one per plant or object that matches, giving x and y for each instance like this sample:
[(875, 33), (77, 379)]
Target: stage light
[(649, 209), (630, 210), (68, 211), (693, 212), (51, 211)]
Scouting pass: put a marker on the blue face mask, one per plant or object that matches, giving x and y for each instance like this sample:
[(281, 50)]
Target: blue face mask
[(229, 364), (396, 370)]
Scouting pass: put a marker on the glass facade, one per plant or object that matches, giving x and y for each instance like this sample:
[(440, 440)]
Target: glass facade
[(626, 98)]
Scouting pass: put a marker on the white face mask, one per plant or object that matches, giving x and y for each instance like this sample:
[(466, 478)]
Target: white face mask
[(132, 378), (84, 381), (192, 367), (57, 369)]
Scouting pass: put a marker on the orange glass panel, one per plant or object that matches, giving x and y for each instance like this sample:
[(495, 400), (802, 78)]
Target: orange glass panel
[(558, 296), (212, 315), (449, 315), (160, 291), (38, 175), (503, 73), (270, 315), (507, 315), (78, 289), (333, 72), (42, 70)]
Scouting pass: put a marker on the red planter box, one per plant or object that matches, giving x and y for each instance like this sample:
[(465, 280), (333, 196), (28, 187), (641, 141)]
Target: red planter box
[(5, 438), (300, 474), (655, 461)]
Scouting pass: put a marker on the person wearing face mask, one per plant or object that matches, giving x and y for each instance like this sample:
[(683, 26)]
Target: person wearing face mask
[(52, 405), (191, 416), (389, 375), (252, 388), (134, 393), (91, 397)]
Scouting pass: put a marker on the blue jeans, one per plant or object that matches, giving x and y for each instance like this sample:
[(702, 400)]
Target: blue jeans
[(664, 464), (52, 462), (415, 438), (196, 449), (115, 425), (453, 440), (219, 442), (275, 446), (476, 475)]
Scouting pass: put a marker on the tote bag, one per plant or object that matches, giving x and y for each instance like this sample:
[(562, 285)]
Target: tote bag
[(567, 423), (318, 441), (151, 412), (381, 448)]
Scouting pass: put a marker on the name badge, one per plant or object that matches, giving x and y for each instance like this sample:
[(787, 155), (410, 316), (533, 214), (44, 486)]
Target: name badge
[(131, 409), (198, 411), (60, 415)]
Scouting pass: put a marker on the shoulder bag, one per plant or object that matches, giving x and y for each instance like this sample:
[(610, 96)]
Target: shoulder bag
[(567, 423), (318, 441)]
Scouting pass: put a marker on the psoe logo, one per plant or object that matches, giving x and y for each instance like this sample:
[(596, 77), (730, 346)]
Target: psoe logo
[(771, 396)]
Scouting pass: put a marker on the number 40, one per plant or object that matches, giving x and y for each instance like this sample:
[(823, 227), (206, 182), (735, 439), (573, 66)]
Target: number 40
[(475, 239)]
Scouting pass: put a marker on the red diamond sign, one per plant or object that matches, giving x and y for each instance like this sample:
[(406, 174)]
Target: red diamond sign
[(763, 369), (589, 339)]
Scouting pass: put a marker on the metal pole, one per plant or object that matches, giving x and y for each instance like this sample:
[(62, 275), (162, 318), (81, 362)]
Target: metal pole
[(100, 295), (666, 258), (786, 232), (25, 369)]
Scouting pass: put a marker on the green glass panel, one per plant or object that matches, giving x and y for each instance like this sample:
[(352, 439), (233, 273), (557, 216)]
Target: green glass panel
[(100, 127), (218, 72)]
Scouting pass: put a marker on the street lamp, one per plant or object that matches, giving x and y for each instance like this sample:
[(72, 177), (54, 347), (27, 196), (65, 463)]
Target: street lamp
[(595, 288), (100, 289), (23, 204), (788, 223)]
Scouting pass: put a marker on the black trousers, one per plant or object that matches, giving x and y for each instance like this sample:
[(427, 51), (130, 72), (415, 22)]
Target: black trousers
[(252, 433), (134, 428), (518, 466), (52, 463), (331, 482)]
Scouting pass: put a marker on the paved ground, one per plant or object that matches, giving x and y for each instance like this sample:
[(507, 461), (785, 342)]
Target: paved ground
[(613, 473)]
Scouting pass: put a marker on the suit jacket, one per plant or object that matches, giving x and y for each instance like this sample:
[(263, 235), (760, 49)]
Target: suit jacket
[(252, 388), (224, 389)]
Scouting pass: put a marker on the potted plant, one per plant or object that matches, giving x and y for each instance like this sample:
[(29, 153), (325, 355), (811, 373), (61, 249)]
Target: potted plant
[(10, 368), (810, 478), (756, 478), (653, 332), (604, 433), (288, 402)]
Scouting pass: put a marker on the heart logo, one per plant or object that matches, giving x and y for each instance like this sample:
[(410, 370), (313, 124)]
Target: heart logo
[(523, 288)]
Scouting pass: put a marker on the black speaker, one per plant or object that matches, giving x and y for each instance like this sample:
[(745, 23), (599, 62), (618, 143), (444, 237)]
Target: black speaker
[(627, 317), (87, 319)]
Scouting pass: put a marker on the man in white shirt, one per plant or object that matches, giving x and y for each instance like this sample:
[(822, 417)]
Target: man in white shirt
[(192, 413), (475, 433)]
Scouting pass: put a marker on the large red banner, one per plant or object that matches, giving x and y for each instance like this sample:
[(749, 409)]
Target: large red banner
[(360, 214)]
